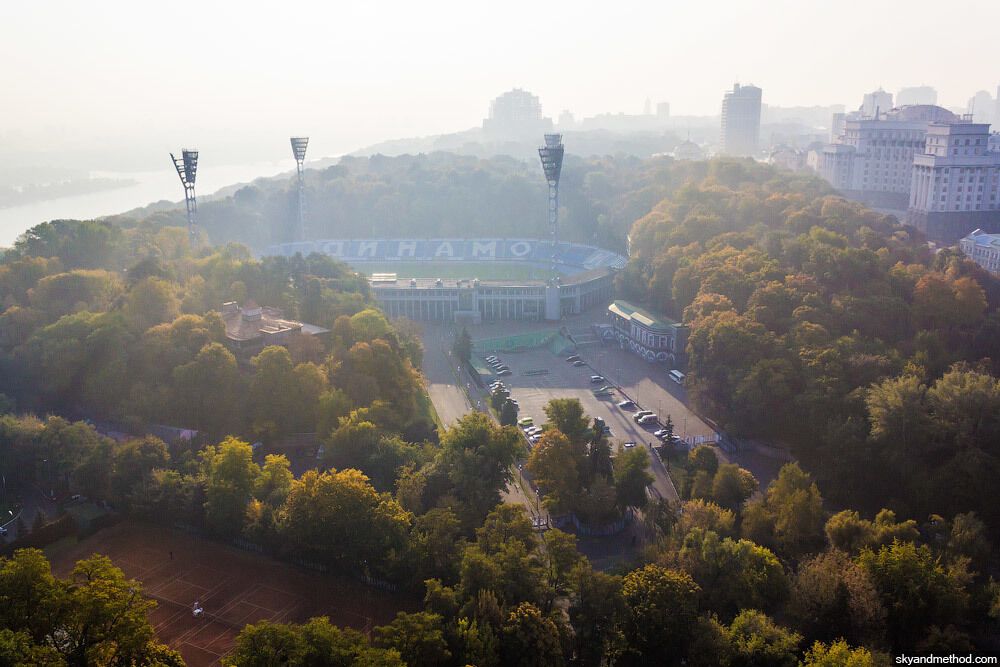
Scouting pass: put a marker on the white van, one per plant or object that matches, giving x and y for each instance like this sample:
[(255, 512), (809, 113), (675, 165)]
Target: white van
[(677, 376)]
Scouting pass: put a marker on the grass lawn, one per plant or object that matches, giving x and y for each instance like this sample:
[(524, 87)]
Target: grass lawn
[(678, 467)]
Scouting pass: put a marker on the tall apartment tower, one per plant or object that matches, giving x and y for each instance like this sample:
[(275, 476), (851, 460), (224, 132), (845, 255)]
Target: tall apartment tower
[(741, 120)]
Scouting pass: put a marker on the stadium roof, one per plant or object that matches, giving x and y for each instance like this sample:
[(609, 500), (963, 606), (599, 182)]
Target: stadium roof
[(644, 317)]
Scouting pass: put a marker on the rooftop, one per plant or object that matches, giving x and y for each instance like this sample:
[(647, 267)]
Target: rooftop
[(642, 316), (254, 321), (982, 239)]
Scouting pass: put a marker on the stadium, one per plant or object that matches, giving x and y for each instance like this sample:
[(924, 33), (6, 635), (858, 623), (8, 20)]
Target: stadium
[(475, 280)]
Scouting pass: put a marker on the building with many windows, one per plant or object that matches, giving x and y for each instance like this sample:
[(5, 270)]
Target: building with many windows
[(956, 183), (516, 113), (477, 301), (872, 159), (655, 339), (741, 120), (983, 249)]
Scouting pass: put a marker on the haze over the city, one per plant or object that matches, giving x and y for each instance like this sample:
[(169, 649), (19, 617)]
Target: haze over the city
[(115, 84)]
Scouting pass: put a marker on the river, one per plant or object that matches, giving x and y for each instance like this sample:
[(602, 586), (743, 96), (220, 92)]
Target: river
[(151, 186)]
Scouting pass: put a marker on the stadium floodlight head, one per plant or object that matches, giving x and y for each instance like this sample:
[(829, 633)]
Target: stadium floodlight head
[(551, 155), (299, 145), (187, 170)]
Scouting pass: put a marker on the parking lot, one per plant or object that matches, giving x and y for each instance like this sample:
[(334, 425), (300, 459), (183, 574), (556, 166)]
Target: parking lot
[(563, 380)]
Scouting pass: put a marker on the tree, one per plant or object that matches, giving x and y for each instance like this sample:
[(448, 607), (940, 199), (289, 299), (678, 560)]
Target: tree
[(566, 415), (732, 486), (462, 349), (794, 500), (508, 413), (208, 391), (833, 597), (759, 642), (916, 590), (418, 638), (595, 609), (96, 617), (839, 654), (530, 639), (477, 456), (733, 574), (132, 469), (150, 302), (231, 478), (661, 608), (632, 477), (554, 466), (338, 518)]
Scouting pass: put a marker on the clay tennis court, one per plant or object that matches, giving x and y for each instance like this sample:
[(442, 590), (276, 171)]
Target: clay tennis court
[(233, 587)]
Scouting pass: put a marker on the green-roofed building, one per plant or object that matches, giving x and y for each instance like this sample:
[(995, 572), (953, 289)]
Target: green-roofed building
[(652, 337)]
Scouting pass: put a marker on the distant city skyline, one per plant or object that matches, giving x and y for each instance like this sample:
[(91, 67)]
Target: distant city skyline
[(119, 76)]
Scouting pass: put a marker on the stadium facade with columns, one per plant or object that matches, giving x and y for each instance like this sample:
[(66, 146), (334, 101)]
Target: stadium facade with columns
[(586, 276)]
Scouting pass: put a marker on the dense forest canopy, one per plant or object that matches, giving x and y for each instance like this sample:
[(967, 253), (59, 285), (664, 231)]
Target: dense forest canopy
[(820, 324)]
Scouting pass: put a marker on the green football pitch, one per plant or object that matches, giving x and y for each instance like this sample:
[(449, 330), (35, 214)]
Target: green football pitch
[(456, 270)]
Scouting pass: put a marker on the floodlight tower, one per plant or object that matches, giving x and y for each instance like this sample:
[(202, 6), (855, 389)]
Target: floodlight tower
[(552, 157), (187, 170), (299, 145)]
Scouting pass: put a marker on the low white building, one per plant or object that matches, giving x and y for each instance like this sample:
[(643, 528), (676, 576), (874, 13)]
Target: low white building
[(983, 249)]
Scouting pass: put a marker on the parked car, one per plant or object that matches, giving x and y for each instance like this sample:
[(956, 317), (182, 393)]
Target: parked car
[(573, 357), (646, 420), (534, 438), (626, 404), (525, 422), (504, 373), (642, 413), (597, 379), (579, 362), (662, 433), (629, 445)]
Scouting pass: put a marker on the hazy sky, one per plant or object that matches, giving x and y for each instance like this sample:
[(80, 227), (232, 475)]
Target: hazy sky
[(349, 73)]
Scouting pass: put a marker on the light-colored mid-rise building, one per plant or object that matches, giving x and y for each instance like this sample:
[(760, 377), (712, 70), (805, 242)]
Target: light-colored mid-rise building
[(981, 107), (915, 95), (741, 120), (872, 159), (876, 102), (983, 249), (956, 182)]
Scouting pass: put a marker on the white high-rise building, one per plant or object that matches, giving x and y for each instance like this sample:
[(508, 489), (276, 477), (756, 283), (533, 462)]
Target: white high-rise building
[(956, 182), (741, 120)]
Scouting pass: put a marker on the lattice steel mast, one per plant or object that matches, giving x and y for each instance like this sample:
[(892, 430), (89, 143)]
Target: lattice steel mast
[(551, 155), (187, 169), (299, 145)]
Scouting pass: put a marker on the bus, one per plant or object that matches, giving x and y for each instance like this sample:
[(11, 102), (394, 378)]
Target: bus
[(677, 376)]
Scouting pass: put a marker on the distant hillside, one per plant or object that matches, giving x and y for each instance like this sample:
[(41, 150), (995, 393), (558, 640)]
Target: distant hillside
[(438, 194)]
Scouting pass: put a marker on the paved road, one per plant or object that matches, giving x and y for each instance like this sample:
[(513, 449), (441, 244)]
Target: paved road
[(33, 501), (449, 400)]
